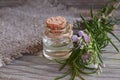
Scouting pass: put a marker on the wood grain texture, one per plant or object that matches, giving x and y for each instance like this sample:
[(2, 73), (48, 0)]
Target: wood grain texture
[(39, 68), (86, 4), (11, 3)]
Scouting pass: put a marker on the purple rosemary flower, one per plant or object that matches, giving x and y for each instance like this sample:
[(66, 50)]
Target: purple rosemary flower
[(81, 33), (95, 66), (87, 38), (103, 65), (85, 56), (75, 38)]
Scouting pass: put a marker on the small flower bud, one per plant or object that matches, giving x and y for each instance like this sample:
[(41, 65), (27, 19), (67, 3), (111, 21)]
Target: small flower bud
[(87, 38), (81, 33), (103, 65), (75, 38), (85, 56), (95, 66)]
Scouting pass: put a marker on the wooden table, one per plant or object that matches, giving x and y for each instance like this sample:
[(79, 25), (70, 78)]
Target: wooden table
[(31, 67)]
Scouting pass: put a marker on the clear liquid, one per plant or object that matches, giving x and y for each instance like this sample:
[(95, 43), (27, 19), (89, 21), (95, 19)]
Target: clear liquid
[(56, 48)]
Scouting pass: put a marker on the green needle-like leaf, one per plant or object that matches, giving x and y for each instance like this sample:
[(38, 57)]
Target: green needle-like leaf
[(114, 46), (114, 36)]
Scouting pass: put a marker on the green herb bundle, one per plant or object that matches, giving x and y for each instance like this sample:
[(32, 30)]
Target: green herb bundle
[(88, 42), (102, 23)]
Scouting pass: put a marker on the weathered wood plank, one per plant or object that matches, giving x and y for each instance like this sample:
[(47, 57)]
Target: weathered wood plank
[(38, 68), (11, 3)]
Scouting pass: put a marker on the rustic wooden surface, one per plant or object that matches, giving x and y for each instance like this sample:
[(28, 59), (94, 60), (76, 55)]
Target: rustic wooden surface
[(32, 67)]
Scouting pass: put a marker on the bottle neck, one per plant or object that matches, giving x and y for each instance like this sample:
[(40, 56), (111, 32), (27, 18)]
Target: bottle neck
[(66, 32), (57, 31)]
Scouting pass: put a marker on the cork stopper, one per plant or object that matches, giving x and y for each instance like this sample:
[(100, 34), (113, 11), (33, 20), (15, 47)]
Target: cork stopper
[(57, 27), (56, 24)]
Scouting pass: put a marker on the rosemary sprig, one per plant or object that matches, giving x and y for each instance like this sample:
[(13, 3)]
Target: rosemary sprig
[(102, 24), (86, 57)]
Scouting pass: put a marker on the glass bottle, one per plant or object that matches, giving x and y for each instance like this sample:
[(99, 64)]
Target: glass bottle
[(57, 43)]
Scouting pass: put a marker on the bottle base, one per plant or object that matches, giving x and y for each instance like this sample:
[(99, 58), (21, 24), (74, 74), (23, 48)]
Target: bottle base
[(59, 55)]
